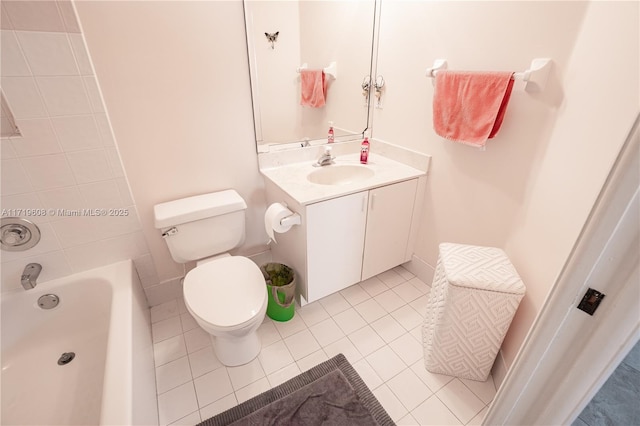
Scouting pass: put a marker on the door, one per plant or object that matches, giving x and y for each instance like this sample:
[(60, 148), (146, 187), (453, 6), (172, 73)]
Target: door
[(388, 226), (335, 243)]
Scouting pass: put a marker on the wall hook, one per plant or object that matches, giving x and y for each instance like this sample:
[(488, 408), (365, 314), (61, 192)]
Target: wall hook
[(272, 38)]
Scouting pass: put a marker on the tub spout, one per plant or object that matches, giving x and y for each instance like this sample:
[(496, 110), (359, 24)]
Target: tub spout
[(30, 275)]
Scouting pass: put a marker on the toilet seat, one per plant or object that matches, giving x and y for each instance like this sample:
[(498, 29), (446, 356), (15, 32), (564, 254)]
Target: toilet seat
[(226, 293)]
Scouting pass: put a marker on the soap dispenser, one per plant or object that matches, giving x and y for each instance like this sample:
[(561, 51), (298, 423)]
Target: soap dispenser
[(364, 149), (330, 133)]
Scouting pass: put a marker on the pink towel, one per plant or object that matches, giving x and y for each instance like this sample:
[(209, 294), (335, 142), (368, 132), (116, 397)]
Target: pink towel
[(469, 107), (313, 88)]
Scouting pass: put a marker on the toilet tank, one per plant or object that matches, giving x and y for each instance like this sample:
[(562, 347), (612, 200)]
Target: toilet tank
[(203, 225)]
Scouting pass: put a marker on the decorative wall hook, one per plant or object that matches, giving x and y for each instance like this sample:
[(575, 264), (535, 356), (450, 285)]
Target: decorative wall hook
[(272, 38)]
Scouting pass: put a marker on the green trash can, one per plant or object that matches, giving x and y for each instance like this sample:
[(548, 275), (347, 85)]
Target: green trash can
[(281, 290)]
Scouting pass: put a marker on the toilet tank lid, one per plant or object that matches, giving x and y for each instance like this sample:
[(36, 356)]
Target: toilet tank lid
[(197, 207)]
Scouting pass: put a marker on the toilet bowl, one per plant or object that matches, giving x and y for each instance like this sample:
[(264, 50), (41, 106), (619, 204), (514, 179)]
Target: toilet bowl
[(228, 299), (226, 295)]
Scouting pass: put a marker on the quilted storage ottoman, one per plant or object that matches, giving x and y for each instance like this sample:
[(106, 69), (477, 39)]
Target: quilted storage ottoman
[(474, 296)]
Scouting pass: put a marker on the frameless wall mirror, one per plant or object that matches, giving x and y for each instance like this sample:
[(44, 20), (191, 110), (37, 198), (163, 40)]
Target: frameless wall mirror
[(282, 36)]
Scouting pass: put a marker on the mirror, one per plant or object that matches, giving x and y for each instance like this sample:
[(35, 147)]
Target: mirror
[(284, 35)]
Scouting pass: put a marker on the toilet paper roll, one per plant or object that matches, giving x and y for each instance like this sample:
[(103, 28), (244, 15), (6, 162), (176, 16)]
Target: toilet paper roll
[(272, 217)]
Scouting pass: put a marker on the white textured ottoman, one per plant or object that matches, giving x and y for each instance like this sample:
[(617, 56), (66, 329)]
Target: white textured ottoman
[(474, 296)]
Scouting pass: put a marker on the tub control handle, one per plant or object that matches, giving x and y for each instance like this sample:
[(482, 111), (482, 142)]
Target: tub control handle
[(169, 232)]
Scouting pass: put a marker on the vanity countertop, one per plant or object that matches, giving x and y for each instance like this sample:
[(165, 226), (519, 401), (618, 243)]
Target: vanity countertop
[(292, 178)]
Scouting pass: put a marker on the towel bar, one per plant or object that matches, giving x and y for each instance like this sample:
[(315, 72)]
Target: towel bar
[(535, 77), (331, 70)]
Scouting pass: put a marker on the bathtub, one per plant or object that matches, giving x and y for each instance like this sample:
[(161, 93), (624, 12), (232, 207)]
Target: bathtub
[(103, 318)]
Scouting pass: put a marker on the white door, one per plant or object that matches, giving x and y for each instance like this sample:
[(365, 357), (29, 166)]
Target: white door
[(388, 226), (335, 243)]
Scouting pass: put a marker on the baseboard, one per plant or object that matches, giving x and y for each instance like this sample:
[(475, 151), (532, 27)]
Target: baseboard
[(420, 269)]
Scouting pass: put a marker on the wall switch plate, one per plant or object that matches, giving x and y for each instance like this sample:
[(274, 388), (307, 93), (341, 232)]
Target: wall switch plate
[(591, 301)]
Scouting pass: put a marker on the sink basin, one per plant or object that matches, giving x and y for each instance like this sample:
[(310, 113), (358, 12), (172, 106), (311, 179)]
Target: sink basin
[(339, 174)]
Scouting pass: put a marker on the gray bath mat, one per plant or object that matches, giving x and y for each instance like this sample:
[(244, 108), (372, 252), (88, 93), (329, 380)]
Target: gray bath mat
[(330, 393)]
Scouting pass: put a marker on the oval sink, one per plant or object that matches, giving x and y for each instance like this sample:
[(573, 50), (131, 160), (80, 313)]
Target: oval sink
[(339, 174)]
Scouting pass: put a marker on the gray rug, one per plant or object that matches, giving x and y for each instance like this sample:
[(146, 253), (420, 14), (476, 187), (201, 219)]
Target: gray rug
[(330, 393)]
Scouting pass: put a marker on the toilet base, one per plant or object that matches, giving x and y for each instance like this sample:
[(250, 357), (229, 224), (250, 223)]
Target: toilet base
[(233, 351)]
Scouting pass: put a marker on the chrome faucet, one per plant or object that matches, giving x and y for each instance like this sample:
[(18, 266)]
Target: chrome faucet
[(30, 275), (326, 158)]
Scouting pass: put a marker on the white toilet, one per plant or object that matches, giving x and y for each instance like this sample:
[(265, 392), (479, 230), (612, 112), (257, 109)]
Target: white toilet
[(226, 294)]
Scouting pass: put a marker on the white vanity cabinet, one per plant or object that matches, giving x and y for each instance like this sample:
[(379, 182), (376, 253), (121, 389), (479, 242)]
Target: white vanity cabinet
[(355, 237), (346, 234)]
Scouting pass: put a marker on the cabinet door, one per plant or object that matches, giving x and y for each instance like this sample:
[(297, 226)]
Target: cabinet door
[(388, 226), (335, 243)]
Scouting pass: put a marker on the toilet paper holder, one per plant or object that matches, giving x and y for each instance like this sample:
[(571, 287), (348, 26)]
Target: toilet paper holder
[(294, 219)]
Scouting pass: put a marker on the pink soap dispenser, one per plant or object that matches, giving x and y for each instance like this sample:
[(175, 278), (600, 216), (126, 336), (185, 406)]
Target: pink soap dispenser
[(330, 133), (364, 150)]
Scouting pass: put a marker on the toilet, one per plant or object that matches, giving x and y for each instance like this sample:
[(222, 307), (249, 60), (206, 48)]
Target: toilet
[(225, 294)]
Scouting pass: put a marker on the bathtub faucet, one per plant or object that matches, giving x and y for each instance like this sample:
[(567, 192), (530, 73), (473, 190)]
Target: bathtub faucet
[(30, 275)]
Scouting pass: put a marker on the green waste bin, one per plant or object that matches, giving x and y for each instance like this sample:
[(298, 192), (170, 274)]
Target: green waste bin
[(281, 289)]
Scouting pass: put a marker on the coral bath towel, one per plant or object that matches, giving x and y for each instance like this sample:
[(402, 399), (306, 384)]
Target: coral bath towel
[(314, 88), (468, 107)]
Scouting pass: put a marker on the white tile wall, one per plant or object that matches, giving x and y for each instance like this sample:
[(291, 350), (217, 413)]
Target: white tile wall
[(38, 138), (14, 178), (77, 132), (34, 15), (193, 385), (64, 95), (24, 97), (13, 60), (66, 157), (48, 171), (90, 165), (48, 53)]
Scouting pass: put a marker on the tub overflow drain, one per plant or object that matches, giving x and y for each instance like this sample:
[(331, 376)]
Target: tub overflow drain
[(66, 358), (48, 301)]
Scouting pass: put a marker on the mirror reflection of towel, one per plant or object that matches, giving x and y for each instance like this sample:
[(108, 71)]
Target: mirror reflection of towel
[(469, 107), (313, 88)]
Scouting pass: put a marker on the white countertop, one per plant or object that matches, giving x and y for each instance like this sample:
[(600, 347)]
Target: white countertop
[(292, 178)]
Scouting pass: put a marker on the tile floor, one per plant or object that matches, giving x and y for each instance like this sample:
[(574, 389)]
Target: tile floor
[(376, 324)]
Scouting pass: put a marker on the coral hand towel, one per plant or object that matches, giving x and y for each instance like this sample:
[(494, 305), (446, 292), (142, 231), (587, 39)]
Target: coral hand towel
[(314, 88), (469, 107)]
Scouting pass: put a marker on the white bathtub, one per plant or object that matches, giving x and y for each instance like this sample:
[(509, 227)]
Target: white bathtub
[(102, 317)]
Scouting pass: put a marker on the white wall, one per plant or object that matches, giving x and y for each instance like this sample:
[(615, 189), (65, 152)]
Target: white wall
[(175, 80), (66, 158), (601, 103), (532, 188)]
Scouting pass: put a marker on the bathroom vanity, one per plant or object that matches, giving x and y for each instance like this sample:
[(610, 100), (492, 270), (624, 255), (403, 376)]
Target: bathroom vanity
[(357, 220)]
